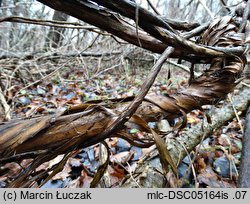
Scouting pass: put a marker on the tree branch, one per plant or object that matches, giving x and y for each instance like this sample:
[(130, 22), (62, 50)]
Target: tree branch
[(146, 175)]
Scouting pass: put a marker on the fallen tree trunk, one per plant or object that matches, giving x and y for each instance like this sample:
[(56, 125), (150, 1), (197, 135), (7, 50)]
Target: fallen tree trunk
[(53, 131), (148, 173), (77, 127)]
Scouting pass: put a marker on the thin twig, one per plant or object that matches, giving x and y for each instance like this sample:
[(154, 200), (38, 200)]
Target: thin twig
[(191, 163), (37, 81), (152, 6), (245, 84), (50, 23), (225, 5), (131, 175), (21, 156), (5, 106), (245, 17), (206, 8), (58, 167), (125, 116), (185, 68), (236, 114), (198, 149), (136, 22)]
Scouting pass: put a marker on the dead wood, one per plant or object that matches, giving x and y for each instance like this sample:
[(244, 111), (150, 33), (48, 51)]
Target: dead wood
[(46, 137), (244, 181), (149, 172), (160, 31)]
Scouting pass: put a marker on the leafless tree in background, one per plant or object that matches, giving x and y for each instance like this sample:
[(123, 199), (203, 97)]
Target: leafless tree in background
[(56, 35), (30, 52)]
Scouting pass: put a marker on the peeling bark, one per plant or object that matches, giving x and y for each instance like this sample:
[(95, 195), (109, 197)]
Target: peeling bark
[(148, 173), (78, 127)]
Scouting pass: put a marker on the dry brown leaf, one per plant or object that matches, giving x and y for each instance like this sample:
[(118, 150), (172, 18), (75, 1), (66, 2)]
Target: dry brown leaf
[(101, 169), (164, 155)]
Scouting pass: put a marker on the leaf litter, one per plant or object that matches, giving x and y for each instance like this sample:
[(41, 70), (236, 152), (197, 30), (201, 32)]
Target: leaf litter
[(46, 97)]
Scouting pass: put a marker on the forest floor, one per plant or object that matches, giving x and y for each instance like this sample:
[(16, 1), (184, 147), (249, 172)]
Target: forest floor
[(217, 161)]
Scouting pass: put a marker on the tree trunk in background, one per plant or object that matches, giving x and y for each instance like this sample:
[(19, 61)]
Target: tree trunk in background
[(14, 33), (170, 9), (82, 126), (244, 181), (56, 35)]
